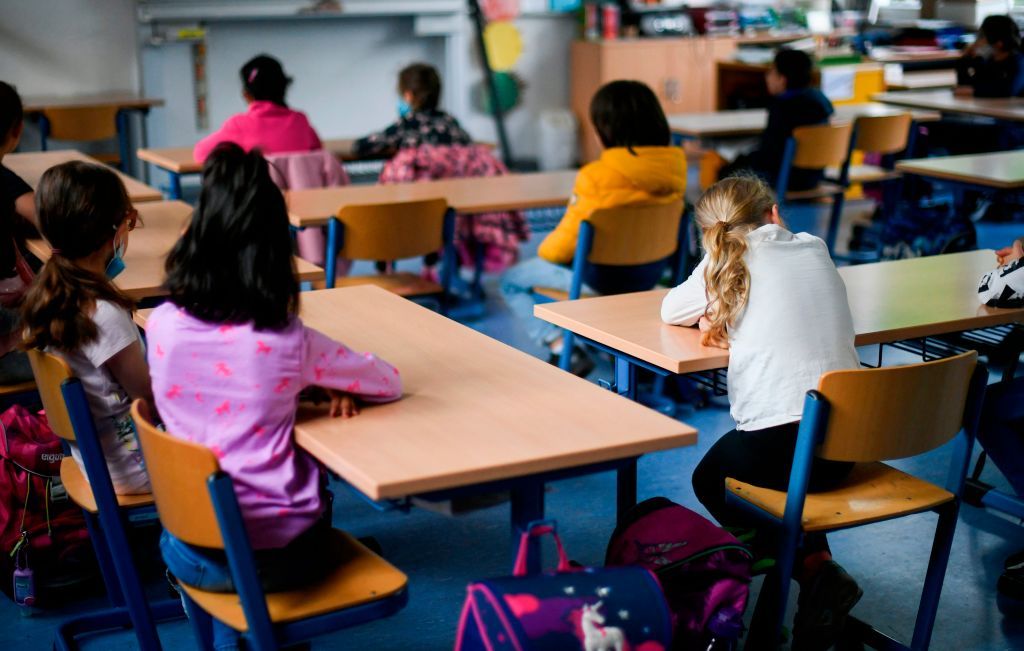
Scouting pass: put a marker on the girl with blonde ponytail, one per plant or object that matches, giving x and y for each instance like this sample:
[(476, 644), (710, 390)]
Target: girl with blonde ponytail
[(776, 301)]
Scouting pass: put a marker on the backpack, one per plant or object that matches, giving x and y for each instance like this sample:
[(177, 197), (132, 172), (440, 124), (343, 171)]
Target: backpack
[(703, 569), (590, 609), (44, 543)]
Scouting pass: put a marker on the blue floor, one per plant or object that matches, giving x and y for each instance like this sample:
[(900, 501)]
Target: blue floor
[(442, 554)]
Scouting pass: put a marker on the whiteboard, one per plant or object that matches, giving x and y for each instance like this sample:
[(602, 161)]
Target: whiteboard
[(171, 10)]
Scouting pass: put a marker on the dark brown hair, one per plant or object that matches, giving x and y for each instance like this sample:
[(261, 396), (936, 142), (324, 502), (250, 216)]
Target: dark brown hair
[(11, 111), (627, 114), (424, 83), (80, 207), (264, 79)]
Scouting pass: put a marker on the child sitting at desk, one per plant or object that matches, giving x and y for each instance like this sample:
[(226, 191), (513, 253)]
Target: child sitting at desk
[(229, 358), (795, 103), (420, 121), (638, 165), (993, 66), (268, 125), (74, 311), (776, 301)]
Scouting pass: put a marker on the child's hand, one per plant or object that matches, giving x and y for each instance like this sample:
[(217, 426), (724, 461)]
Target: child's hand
[(1010, 253), (963, 91), (343, 404)]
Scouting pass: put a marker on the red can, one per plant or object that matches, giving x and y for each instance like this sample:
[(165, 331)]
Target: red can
[(610, 21)]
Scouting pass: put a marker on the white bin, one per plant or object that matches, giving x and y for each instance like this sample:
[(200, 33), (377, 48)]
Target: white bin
[(557, 146)]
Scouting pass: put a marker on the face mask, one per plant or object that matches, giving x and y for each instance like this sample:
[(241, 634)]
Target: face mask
[(403, 108), (116, 264), (984, 51)]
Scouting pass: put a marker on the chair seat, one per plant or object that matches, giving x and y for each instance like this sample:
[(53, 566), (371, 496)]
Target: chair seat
[(403, 284), (359, 578), (111, 158), (871, 493), (15, 389), (823, 190), (868, 174), (80, 491)]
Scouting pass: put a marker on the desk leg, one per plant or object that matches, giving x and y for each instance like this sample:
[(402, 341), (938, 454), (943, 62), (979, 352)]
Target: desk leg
[(175, 185), (527, 506), (331, 255), (625, 378), (626, 489)]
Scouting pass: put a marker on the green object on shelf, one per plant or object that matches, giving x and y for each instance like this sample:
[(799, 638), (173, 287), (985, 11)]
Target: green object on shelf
[(509, 88), (841, 60)]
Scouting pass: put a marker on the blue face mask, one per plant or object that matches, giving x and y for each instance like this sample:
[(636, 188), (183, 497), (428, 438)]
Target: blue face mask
[(404, 109), (116, 264)]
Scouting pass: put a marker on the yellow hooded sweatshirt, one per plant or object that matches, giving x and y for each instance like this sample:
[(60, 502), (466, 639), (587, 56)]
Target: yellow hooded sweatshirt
[(653, 174)]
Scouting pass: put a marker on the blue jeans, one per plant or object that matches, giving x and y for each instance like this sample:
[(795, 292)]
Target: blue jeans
[(516, 288), (1002, 430)]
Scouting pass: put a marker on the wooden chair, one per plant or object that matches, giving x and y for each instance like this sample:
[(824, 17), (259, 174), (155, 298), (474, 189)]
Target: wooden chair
[(68, 414), (867, 416), (887, 135), (87, 124), (395, 231), (197, 505), (818, 148), (628, 237)]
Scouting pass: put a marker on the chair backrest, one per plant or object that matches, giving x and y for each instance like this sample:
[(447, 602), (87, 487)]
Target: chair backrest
[(178, 472), (635, 234), (392, 231), (82, 124), (821, 146), (895, 412), (886, 134), (51, 372)]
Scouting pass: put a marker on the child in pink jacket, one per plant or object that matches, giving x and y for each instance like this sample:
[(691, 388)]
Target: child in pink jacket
[(229, 357), (269, 125)]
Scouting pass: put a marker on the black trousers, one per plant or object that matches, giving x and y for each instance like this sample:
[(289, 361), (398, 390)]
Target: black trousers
[(762, 458)]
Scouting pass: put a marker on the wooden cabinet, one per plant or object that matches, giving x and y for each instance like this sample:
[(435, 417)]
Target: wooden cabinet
[(681, 72)]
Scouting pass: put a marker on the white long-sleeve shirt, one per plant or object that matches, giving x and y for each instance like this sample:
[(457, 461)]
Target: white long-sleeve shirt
[(1004, 286), (795, 327)]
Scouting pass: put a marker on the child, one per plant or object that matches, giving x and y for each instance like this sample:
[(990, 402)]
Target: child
[(73, 310), (420, 121), (775, 299), (992, 66), (269, 125), (795, 103), (17, 204), (638, 165), (229, 357)]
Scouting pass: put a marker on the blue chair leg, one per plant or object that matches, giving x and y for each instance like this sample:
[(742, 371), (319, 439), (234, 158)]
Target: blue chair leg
[(331, 255), (106, 564), (565, 362), (770, 612), (174, 191), (201, 623), (835, 216), (926, 612)]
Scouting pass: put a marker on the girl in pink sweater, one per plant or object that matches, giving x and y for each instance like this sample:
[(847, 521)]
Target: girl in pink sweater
[(229, 357), (269, 125)]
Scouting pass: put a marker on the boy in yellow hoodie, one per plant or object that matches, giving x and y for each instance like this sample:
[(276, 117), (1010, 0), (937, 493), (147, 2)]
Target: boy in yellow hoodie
[(638, 165)]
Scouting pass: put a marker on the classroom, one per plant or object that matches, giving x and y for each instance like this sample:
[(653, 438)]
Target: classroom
[(512, 325)]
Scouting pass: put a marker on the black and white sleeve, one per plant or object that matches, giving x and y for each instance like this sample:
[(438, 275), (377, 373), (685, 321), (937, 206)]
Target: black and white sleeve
[(1004, 286)]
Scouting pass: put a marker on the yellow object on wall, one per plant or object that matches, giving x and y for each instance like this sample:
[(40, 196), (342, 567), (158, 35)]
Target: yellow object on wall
[(504, 45)]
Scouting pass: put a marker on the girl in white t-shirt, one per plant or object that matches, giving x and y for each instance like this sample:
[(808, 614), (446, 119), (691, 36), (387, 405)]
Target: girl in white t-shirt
[(74, 311), (776, 301)]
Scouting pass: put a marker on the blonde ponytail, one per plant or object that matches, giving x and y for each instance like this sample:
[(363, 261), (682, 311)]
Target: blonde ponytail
[(727, 212)]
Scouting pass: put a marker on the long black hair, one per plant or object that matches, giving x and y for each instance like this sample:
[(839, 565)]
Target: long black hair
[(627, 114), (234, 263), (80, 207), (1001, 29), (12, 113), (264, 79)]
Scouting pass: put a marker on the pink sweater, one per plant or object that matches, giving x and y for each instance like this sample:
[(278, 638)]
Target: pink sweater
[(234, 390), (272, 128)]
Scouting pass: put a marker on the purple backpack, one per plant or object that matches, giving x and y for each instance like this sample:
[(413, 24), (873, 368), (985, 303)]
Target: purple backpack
[(703, 569), (590, 609)]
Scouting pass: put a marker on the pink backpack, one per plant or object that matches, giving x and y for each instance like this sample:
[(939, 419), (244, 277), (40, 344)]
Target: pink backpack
[(704, 570)]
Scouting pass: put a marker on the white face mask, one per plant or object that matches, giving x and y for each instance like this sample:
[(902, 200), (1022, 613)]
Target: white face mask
[(984, 51)]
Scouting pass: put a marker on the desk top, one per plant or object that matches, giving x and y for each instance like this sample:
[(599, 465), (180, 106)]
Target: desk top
[(1011, 108), (475, 410), (913, 54), (120, 99), (160, 225), (1002, 170), (31, 165), (181, 161), (925, 79), (469, 195), (751, 122), (890, 301)]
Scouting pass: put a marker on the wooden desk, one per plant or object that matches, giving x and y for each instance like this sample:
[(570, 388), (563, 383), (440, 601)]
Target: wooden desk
[(1002, 170), (475, 412), (313, 208), (1010, 109), (31, 165), (160, 225), (122, 100), (890, 301), (914, 55), (925, 79)]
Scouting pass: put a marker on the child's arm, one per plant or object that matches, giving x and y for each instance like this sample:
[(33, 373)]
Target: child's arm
[(1004, 287), (228, 132), (559, 246), (131, 371), (332, 365), (686, 304), (382, 144)]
